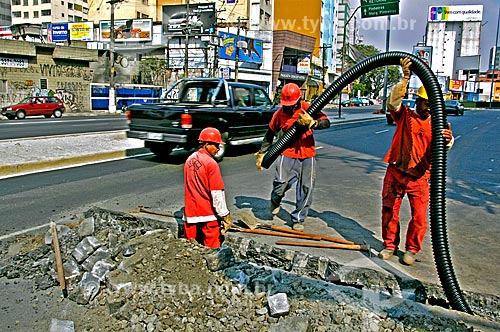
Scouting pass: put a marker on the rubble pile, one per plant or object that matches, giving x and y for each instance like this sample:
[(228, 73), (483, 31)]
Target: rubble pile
[(133, 276)]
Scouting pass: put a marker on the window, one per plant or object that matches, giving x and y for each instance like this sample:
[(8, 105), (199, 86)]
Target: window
[(16, 2), (16, 14), (145, 16), (35, 14), (261, 98), (145, 2), (138, 15), (71, 18), (35, 2), (78, 7), (25, 3), (62, 14), (44, 1), (3, 86), (43, 83), (46, 12), (26, 15), (70, 5)]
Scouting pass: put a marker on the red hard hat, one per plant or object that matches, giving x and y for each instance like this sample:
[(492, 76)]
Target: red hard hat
[(290, 94), (212, 135)]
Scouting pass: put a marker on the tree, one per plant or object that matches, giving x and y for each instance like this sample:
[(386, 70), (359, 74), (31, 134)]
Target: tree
[(153, 71), (371, 83)]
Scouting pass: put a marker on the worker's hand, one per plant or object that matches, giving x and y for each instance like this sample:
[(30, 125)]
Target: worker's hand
[(305, 120), (226, 223), (405, 64), (258, 160), (448, 137)]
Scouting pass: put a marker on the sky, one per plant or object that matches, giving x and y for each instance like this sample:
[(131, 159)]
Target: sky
[(408, 27)]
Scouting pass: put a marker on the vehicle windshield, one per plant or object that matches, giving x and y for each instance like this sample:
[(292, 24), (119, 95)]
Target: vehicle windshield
[(25, 100)]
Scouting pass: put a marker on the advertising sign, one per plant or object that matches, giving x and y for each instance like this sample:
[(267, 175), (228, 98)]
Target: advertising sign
[(57, 32), (456, 85), (424, 53), (455, 13), (197, 19), (304, 65), (81, 31), (252, 53), (5, 32), (127, 30)]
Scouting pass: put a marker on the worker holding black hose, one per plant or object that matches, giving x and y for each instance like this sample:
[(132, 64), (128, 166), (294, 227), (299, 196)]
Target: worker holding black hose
[(296, 164), (408, 172)]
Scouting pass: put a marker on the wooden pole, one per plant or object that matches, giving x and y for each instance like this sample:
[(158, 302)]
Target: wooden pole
[(59, 264)]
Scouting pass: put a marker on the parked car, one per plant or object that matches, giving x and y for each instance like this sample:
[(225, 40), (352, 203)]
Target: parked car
[(353, 102), (410, 103), (367, 101), (454, 106), (38, 105)]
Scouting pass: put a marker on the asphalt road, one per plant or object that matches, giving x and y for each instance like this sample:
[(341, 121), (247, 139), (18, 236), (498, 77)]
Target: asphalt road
[(39, 126), (346, 197)]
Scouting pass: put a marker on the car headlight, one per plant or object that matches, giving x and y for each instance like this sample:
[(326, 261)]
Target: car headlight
[(8, 109)]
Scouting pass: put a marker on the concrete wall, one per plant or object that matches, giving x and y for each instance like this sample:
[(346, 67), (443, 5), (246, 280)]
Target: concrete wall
[(65, 69)]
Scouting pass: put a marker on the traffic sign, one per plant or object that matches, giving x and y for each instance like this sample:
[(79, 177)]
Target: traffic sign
[(373, 8)]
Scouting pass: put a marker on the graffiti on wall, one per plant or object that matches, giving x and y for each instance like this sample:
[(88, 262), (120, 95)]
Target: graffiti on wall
[(74, 93)]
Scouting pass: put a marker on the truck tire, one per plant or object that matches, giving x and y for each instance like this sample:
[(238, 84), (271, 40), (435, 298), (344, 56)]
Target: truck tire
[(160, 149), (223, 147)]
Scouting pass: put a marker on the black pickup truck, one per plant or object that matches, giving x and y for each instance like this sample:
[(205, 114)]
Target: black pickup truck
[(240, 111)]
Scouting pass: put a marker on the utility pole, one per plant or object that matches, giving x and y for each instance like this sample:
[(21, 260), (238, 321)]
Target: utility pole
[(387, 38), (112, 95), (186, 43), (237, 55), (343, 56), (494, 60)]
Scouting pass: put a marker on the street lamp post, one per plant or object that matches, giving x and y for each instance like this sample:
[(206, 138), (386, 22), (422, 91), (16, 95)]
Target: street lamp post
[(343, 56), (186, 43), (112, 95)]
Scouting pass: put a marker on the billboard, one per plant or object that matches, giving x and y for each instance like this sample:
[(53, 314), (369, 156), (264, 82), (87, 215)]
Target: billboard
[(131, 30), (57, 32), (199, 19), (252, 52), (455, 13), (61, 32), (424, 53)]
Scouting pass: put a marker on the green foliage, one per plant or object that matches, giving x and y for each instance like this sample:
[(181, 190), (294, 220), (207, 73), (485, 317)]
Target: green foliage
[(153, 71), (372, 82)]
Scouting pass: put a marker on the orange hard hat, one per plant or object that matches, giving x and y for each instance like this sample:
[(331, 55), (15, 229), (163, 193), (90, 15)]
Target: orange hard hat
[(211, 135), (290, 94)]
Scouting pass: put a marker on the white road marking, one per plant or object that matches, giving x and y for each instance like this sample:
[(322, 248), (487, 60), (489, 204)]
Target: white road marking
[(382, 131), (3, 237)]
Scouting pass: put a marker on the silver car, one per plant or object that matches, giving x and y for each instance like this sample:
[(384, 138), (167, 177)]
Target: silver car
[(180, 21)]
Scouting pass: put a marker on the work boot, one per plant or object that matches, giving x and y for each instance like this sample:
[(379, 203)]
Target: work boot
[(274, 209), (409, 257), (297, 226), (386, 253)]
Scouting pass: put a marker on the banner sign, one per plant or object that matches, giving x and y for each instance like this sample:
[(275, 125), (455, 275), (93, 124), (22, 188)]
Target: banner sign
[(13, 62), (81, 31), (197, 19), (252, 53), (424, 53), (304, 65), (456, 85), (127, 30), (57, 32), (455, 13)]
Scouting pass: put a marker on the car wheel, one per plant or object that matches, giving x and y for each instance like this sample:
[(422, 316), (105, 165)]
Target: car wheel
[(223, 148), (57, 113), (20, 115)]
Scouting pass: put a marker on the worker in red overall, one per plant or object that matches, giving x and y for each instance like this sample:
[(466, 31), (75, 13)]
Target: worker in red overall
[(204, 199), (409, 159), (297, 163)]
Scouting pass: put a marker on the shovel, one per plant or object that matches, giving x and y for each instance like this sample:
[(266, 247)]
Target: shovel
[(281, 234), (252, 223)]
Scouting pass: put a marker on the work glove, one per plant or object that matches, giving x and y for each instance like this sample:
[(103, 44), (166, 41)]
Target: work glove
[(405, 64), (258, 160), (305, 120), (226, 223)]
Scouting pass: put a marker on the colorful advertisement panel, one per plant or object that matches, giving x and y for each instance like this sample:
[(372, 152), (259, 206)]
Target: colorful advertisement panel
[(424, 53), (57, 32), (199, 19), (81, 31), (455, 13), (127, 30), (252, 52)]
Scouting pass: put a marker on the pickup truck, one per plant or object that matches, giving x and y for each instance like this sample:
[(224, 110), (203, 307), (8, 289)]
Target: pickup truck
[(240, 111)]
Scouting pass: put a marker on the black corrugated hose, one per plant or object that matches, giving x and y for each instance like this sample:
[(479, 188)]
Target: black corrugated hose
[(440, 245)]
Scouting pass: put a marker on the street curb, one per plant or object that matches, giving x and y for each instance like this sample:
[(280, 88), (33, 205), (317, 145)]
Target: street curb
[(9, 170)]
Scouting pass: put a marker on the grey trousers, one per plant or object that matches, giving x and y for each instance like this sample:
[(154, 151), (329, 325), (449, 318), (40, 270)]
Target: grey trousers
[(302, 173)]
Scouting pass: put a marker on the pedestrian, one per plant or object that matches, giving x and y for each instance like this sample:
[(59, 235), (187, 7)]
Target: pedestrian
[(408, 172), (206, 216), (297, 163)]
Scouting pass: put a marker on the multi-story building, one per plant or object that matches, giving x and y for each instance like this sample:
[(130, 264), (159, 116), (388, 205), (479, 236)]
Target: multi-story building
[(454, 34), (5, 13), (47, 11), (494, 60)]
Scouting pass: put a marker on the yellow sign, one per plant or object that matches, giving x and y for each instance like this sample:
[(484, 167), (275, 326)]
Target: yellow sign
[(82, 31)]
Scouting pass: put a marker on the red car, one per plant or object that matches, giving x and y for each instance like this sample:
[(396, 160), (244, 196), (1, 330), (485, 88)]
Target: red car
[(39, 105)]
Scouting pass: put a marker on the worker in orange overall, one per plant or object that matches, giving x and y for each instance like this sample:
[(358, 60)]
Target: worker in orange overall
[(409, 159), (205, 209), (297, 163)]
